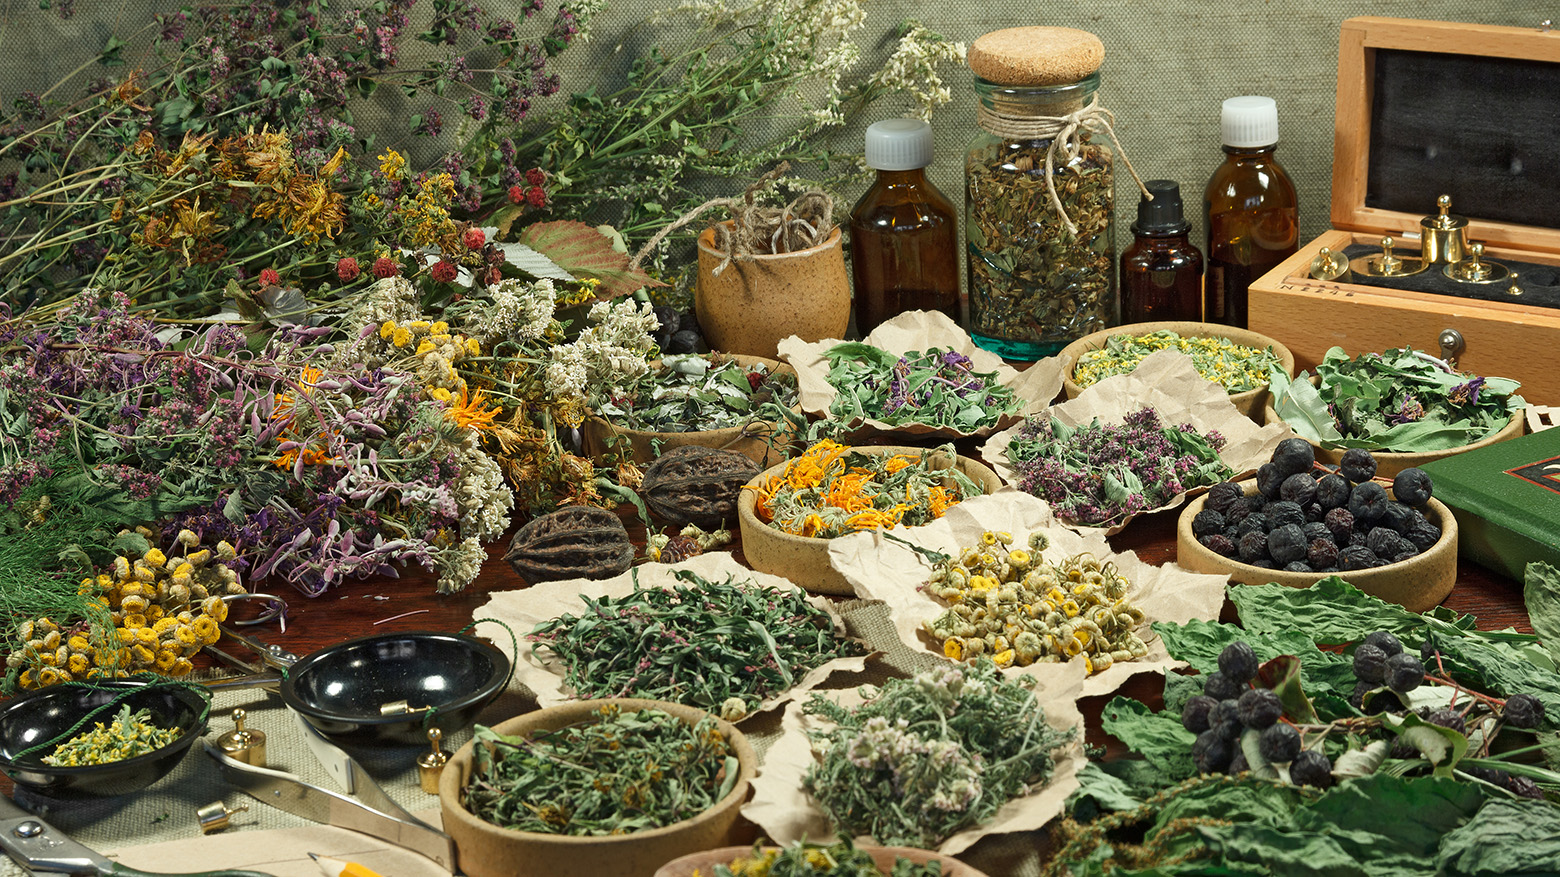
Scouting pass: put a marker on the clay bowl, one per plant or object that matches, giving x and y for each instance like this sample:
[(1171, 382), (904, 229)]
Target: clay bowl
[(45, 714), (805, 559), (1249, 403), (749, 440), (1417, 584), (1389, 463), (483, 849), (704, 863)]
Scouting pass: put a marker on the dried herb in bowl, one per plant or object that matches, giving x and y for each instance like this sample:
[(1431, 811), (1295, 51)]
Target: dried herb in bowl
[(130, 734), (803, 859), (697, 392), (720, 646), (1400, 401), (627, 772), (1236, 367), (932, 755), (1100, 474), (935, 387)]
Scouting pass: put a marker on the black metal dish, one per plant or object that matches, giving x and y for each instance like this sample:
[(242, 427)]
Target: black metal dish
[(42, 715), (344, 690)]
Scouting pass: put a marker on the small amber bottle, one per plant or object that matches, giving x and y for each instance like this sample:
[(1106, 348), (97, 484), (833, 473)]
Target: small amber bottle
[(1161, 272), (903, 232), (1252, 213)]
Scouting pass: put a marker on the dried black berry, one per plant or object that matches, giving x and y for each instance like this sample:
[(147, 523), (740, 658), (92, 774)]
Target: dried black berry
[(1370, 664), (1238, 510), (1256, 522), (1423, 535), (1399, 517), (1225, 719), (1220, 544), (1357, 697), (1448, 718), (667, 317), (1408, 554), (1239, 662), (1322, 553), (1341, 523), (1294, 455), (1383, 541), (1194, 715), (1524, 787), (1488, 774), (1269, 480), (1404, 673), (1357, 557), (683, 341), (1358, 465), (1283, 512), (1403, 749), (1314, 513), (1384, 640), (1287, 544), (1221, 687), (1223, 495), (1259, 708), (1298, 566), (1311, 768), (1211, 752), (1368, 502), (1317, 530), (1238, 763), (1300, 489), (1280, 743), (1523, 711), (1264, 563), (1207, 522), (1253, 547), (1332, 491), (1412, 486)]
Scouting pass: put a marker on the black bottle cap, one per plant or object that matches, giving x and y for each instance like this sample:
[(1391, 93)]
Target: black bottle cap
[(1162, 215)]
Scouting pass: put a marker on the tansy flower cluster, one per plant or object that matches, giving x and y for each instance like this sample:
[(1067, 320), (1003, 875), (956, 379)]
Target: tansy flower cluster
[(832, 489), (1236, 367), (1011, 605)]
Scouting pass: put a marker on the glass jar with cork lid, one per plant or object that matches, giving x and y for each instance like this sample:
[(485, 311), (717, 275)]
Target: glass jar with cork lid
[(1039, 192)]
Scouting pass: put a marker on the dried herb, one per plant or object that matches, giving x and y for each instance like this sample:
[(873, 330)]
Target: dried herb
[(627, 772), (1019, 609), (1031, 279), (721, 646), (1236, 367), (1100, 475), (130, 734), (833, 489), (936, 387), (930, 756), (694, 392), (803, 859), (1399, 400)]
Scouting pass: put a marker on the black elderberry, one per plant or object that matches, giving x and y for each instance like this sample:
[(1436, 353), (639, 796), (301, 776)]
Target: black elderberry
[(1239, 661), (1357, 557), (1256, 522), (683, 341), (1225, 719), (1321, 553), (1298, 566), (1384, 640), (1358, 465), (1299, 489), (1368, 502), (1221, 687), (1284, 512), (1220, 544), (1317, 530), (1524, 787), (1294, 455), (1269, 480), (1287, 544), (1341, 523), (1357, 697), (1488, 774), (1264, 563), (667, 318), (1412, 486), (1448, 718), (1404, 673), (1206, 522), (1211, 752), (1314, 513), (1194, 715), (1238, 763), (1383, 542), (1311, 768), (1223, 495), (1523, 711), (1253, 547), (1259, 708), (1332, 491), (1280, 743), (1399, 517), (1370, 664), (1423, 535)]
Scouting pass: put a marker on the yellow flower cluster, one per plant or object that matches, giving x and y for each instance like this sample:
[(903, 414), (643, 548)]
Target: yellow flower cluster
[(436, 350), (1016, 608), (127, 736), (426, 214), (164, 609)]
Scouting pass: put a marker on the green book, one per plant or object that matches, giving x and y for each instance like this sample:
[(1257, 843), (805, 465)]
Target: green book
[(1506, 498)]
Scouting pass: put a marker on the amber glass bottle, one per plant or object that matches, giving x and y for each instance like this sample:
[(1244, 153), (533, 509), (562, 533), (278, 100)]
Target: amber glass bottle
[(1161, 272), (903, 232), (1253, 216)]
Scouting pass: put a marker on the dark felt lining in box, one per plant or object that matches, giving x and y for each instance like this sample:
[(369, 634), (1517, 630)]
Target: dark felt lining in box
[(1540, 284), (1483, 130)]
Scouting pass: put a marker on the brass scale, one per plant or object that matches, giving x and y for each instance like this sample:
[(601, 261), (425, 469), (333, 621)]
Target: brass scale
[(1444, 245)]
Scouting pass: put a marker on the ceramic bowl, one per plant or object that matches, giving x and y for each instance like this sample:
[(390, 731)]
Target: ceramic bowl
[(805, 559), (1389, 463), (749, 440), (704, 863), (750, 305), (483, 849), (349, 691), (1418, 584), (45, 714), (1249, 403)]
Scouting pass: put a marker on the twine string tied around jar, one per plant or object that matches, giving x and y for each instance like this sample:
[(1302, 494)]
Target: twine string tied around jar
[(1066, 136)]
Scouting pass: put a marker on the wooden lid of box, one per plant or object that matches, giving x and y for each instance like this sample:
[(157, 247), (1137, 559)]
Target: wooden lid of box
[(1491, 147)]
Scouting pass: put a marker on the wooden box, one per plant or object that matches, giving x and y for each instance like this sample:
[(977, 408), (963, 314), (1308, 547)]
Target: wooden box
[(1473, 112)]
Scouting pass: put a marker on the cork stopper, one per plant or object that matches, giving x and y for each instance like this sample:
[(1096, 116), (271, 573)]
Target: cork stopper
[(1036, 55)]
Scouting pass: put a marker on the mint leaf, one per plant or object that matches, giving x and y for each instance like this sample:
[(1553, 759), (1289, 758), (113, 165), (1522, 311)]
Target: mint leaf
[(1157, 736), (1505, 837), (1541, 592)]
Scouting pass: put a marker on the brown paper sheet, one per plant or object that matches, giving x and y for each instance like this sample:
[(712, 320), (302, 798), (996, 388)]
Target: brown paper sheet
[(881, 569), (786, 813), (1035, 386), (1168, 382), (523, 609)]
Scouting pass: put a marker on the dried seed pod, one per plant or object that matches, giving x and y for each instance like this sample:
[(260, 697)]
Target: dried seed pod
[(696, 485), (573, 542)]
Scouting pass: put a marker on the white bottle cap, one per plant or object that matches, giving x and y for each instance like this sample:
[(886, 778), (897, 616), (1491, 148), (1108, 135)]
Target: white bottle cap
[(1250, 122), (899, 145)]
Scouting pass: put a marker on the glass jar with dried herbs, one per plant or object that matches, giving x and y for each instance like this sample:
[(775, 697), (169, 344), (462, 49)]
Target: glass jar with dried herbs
[(1040, 193)]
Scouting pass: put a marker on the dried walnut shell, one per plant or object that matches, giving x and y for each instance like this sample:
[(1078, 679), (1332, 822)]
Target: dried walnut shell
[(696, 485), (573, 542)]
